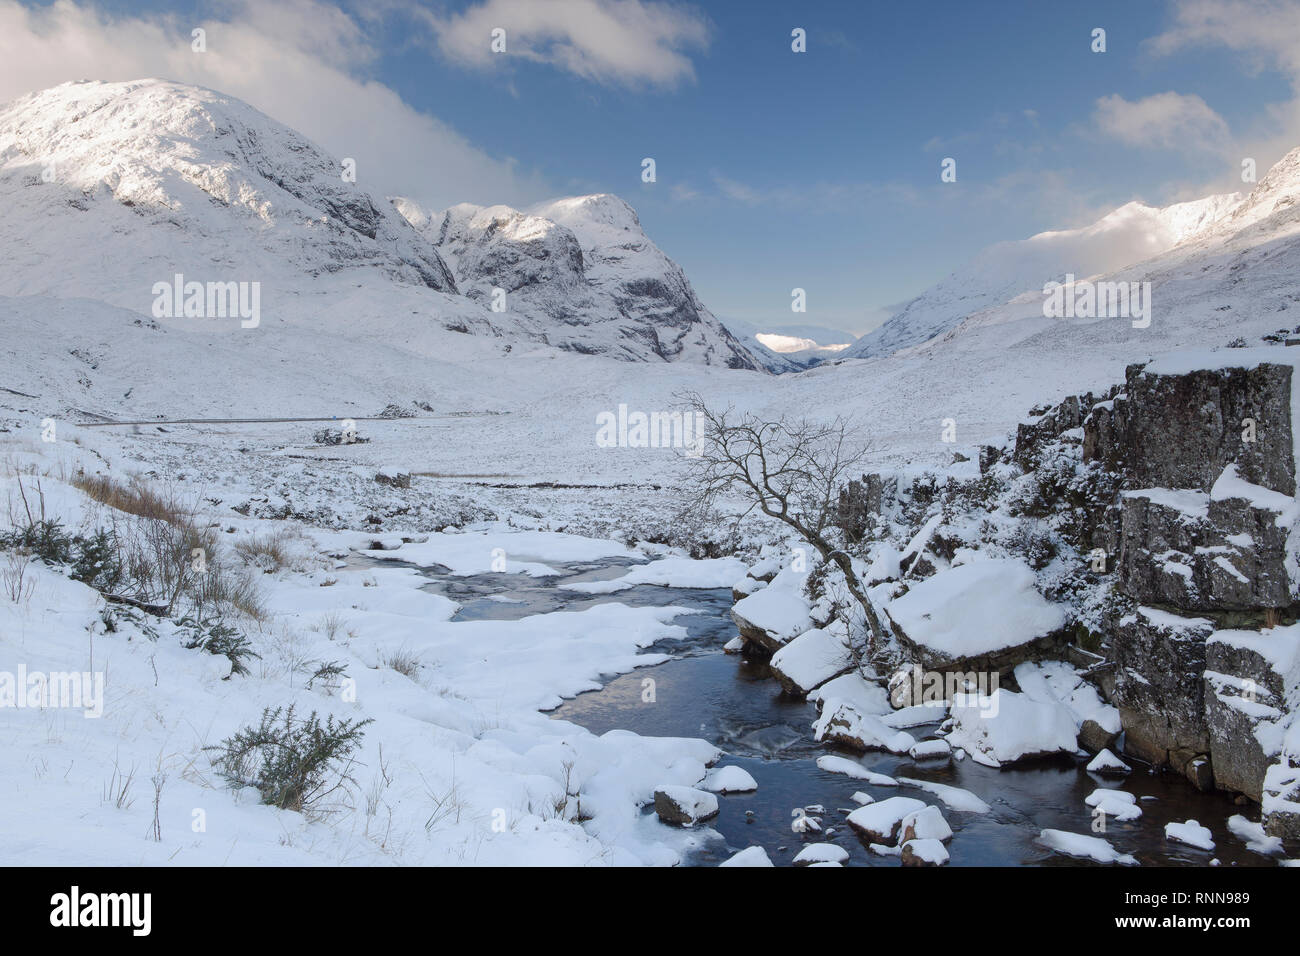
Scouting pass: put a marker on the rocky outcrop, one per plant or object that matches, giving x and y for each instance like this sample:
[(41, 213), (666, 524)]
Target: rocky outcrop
[(1159, 661), (1175, 427)]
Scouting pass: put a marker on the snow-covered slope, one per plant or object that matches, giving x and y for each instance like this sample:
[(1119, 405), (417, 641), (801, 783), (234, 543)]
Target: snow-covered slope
[(1132, 233), (581, 274)]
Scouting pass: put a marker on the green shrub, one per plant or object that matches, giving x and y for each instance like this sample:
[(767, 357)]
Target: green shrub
[(294, 763)]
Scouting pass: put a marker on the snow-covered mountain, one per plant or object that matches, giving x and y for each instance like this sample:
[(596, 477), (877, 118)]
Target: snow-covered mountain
[(582, 275), (790, 348), (110, 188), (1132, 233)]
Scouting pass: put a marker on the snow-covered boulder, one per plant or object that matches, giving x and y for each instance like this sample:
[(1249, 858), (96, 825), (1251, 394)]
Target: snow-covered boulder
[(811, 659), (1006, 727), (1191, 833), (924, 853), (684, 806), (840, 723), (821, 853), (750, 856), (982, 616), (880, 821), (1058, 682), (730, 779), (1085, 847), (775, 615), (866, 697), (832, 763), (1118, 805), (925, 824), (1107, 764)]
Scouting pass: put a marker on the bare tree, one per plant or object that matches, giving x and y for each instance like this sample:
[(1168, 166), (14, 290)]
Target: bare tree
[(790, 470)]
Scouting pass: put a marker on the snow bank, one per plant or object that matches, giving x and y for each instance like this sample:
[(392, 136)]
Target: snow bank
[(673, 572)]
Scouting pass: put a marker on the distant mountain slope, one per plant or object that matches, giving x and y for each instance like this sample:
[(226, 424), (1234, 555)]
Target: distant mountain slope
[(111, 188), (1132, 233), (581, 274)]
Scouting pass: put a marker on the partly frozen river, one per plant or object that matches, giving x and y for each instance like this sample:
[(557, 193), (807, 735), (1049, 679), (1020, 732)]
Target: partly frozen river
[(735, 704)]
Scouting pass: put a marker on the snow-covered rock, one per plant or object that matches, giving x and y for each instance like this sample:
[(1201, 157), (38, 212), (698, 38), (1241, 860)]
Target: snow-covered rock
[(832, 763), (821, 853), (684, 806), (1190, 833), (730, 779), (750, 856), (840, 723), (986, 615), (880, 821), (924, 852), (1006, 727), (811, 659), (1106, 764), (775, 615), (1118, 805)]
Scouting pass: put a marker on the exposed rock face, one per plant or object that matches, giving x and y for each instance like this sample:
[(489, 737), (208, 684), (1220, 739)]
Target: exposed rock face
[(1241, 690), (580, 274), (1182, 430), (1159, 659), (1182, 549)]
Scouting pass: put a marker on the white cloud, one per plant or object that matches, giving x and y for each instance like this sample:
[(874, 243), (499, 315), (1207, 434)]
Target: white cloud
[(299, 61), (1164, 120), (1266, 33), (620, 42)]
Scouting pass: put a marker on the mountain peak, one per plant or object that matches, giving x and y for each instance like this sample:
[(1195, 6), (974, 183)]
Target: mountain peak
[(199, 162)]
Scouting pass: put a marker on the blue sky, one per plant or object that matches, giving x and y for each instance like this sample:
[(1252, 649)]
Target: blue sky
[(775, 169)]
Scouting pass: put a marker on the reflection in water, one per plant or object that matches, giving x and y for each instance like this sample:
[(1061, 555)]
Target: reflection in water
[(732, 702)]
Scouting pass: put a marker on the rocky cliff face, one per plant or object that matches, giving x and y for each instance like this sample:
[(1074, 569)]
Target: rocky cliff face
[(1163, 515), (580, 274)]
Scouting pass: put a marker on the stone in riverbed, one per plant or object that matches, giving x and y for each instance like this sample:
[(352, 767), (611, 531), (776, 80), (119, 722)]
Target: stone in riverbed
[(811, 659), (880, 822), (924, 853), (684, 806)]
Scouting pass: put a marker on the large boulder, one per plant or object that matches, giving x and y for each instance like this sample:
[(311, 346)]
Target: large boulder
[(985, 616)]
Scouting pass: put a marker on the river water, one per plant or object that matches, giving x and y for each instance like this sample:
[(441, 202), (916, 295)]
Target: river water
[(734, 703)]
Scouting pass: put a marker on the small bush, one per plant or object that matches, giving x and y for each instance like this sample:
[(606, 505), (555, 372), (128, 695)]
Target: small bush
[(44, 539), (294, 763), (220, 639), (96, 561)]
